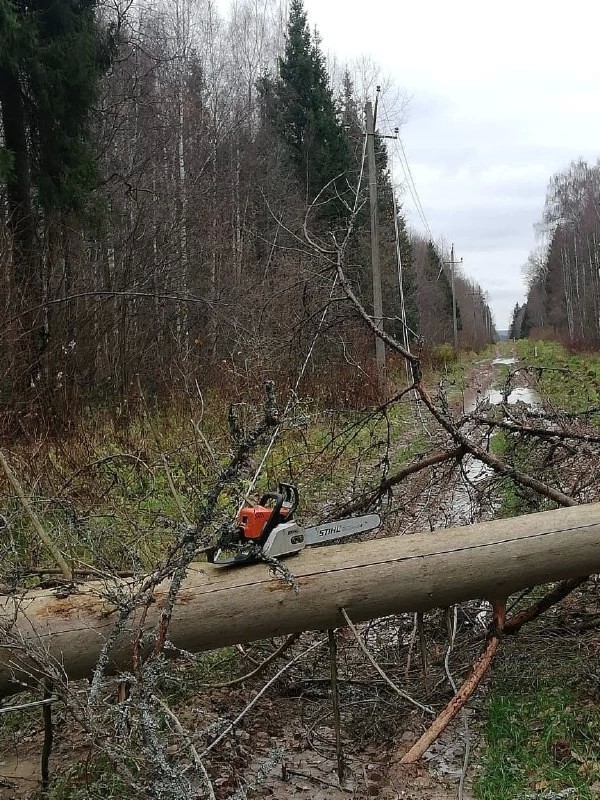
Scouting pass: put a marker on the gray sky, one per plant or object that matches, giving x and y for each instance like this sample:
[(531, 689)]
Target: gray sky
[(500, 96)]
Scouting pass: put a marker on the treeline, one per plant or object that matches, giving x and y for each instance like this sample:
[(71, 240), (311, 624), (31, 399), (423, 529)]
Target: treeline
[(563, 275), (156, 172)]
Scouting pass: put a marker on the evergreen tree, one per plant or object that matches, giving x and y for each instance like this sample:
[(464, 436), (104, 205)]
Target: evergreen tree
[(515, 322), (437, 273), (526, 323), (16, 46), (52, 56), (351, 116), (431, 300), (71, 54), (303, 111), (408, 282)]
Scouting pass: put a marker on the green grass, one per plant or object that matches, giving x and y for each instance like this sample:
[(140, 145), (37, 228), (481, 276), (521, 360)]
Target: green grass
[(542, 734), (93, 780), (541, 737), (514, 499), (569, 380), (105, 496)]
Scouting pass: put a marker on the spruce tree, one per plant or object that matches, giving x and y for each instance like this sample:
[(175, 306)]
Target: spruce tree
[(64, 73), (303, 111), (53, 54), (515, 322), (526, 323), (437, 277), (408, 281)]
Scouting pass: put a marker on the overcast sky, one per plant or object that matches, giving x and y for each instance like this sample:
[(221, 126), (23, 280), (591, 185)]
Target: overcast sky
[(501, 96)]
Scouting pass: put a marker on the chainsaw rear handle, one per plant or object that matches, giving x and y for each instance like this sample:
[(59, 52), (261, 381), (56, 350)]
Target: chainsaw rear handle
[(291, 498), (286, 501), (289, 503)]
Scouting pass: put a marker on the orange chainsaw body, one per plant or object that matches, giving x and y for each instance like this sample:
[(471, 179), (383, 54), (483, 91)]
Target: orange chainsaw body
[(252, 520)]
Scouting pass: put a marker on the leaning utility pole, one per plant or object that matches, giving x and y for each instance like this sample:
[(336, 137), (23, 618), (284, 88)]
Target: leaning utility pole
[(453, 264), (377, 296)]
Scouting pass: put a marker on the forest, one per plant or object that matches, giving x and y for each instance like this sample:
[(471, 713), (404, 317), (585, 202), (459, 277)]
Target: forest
[(563, 274), (157, 164)]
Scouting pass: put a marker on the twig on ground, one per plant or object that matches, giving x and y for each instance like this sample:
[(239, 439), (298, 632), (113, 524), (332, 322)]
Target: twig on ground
[(35, 704), (310, 777), (258, 695), (514, 624), (389, 682), (195, 757), (291, 639), (473, 680)]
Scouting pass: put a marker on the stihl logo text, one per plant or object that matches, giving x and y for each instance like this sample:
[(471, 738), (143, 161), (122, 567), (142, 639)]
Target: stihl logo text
[(329, 531)]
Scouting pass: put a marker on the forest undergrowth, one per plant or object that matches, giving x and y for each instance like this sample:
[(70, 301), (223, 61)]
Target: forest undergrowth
[(541, 716), (112, 494)]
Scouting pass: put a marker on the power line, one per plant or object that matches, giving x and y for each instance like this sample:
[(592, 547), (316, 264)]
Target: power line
[(416, 193), (408, 175)]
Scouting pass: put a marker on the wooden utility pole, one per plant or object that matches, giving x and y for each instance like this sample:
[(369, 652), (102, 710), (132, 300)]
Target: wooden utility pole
[(377, 295), (368, 579), (453, 264)]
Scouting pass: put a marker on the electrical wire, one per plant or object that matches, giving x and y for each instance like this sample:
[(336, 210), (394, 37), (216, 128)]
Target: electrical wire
[(408, 175)]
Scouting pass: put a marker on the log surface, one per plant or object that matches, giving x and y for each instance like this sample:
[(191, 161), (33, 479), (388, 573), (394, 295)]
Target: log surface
[(219, 607)]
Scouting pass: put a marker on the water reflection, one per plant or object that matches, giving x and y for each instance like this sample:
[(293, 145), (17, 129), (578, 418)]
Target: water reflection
[(505, 361), (522, 394), (467, 504)]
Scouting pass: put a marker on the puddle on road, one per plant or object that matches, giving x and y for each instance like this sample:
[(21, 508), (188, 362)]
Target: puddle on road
[(505, 360), (465, 505), (522, 394)]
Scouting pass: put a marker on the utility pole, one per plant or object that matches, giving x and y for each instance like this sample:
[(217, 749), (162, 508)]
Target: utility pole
[(377, 296), (453, 264)]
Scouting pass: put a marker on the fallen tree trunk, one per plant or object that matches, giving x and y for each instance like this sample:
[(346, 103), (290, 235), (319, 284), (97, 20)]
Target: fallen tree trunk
[(219, 607)]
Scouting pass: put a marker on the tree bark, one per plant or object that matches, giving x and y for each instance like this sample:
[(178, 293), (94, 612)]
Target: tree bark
[(219, 607), (18, 184), (25, 272)]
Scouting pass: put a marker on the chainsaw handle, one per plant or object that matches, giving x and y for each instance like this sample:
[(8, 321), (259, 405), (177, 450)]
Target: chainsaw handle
[(278, 497), (286, 500), (290, 498), (273, 520)]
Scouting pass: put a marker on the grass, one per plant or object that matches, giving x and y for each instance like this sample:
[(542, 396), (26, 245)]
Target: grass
[(541, 729), (514, 499), (96, 779), (569, 380), (542, 738), (112, 491)]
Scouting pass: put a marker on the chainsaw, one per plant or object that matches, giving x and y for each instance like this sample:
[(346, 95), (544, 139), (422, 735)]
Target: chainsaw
[(268, 530)]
